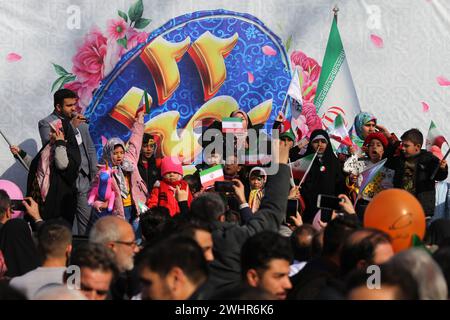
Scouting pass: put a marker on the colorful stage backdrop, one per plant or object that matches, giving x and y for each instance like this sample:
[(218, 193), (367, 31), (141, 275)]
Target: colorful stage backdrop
[(200, 60)]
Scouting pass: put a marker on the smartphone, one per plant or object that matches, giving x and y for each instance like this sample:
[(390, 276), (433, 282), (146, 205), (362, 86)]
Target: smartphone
[(328, 202), (291, 209), (325, 215), (17, 205), (224, 186)]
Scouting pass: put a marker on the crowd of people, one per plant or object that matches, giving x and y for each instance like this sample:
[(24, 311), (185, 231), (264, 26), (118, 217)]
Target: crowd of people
[(133, 226)]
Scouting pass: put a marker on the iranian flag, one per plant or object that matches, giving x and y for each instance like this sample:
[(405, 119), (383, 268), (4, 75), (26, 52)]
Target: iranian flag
[(211, 175), (434, 137), (339, 133), (233, 125), (301, 167), (335, 90)]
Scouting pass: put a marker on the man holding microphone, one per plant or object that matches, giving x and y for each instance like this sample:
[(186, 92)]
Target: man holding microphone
[(65, 103)]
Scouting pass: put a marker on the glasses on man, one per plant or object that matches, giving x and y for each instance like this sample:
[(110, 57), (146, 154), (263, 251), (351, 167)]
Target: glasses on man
[(133, 243)]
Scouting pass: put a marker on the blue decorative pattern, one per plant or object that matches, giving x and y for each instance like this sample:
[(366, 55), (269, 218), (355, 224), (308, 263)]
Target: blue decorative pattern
[(271, 73)]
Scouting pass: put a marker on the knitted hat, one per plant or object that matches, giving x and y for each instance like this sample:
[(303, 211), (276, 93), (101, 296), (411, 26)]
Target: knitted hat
[(378, 136), (171, 164), (286, 131)]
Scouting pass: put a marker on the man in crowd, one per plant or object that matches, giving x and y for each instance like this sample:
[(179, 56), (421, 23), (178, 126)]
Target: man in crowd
[(65, 105)]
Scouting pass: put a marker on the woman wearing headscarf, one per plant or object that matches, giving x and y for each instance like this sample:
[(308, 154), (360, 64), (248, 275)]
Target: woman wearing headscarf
[(325, 176), (53, 174), (18, 248)]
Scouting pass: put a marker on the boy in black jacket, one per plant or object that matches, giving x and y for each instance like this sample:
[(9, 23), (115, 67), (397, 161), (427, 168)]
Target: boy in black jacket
[(414, 170)]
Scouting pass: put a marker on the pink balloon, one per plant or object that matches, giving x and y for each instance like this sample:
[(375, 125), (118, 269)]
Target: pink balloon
[(13, 192)]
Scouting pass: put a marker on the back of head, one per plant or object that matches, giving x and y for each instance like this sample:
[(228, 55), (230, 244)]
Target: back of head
[(53, 240), (404, 286), (360, 247), (425, 271), (175, 251), (152, 223), (302, 242), (60, 95), (5, 203), (58, 292), (208, 206), (414, 135), (95, 257), (336, 232), (259, 250), (107, 229)]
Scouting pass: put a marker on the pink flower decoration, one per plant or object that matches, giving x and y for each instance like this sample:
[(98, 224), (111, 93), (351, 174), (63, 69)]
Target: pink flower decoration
[(13, 57), (269, 51), (425, 107), (251, 77), (313, 121), (377, 41), (116, 28), (443, 81), (134, 38), (312, 68), (297, 58), (88, 62)]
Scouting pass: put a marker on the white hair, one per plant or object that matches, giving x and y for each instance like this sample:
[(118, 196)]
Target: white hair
[(58, 292), (427, 273), (106, 229)]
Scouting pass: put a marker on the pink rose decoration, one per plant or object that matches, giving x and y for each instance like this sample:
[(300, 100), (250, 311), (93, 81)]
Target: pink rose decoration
[(134, 38), (297, 57), (117, 28), (312, 68), (313, 121), (88, 62)]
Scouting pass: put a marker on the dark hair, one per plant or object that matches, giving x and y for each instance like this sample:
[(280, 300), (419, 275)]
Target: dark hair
[(53, 239), (61, 94), (152, 223), (193, 182), (407, 288), (361, 248), (302, 242), (175, 251), (94, 256), (189, 227), (208, 206), (337, 231), (260, 249), (442, 258), (5, 203), (414, 135)]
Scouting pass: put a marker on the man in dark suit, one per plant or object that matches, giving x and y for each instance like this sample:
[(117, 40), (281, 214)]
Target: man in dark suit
[(65, 103)]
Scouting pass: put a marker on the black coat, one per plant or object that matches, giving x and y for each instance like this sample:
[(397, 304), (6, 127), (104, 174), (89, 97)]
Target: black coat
[(61, 200), (329, 181), (151, 174), (425, 186), (228, 238)]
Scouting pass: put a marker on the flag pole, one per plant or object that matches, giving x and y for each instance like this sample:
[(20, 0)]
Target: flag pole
[(18, 157), (309, 168), (335, 11), (291, 180), (439, 165)]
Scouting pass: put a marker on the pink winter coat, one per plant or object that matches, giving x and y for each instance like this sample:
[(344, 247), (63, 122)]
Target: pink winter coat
[(139, 192)]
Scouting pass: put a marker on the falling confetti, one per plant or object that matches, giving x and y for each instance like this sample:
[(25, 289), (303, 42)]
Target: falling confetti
[(13, 57), (377, 41)]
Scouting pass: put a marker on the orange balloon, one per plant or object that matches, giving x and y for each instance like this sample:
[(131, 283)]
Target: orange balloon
[(398, 213)]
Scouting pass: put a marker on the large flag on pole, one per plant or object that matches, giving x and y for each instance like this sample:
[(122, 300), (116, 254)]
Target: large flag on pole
[(434, 137), (335, 90)]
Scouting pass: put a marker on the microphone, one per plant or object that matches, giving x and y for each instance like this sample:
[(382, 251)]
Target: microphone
[(80, 117)]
